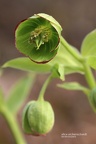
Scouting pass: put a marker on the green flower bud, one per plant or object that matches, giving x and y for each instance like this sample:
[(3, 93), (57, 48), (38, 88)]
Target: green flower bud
[(93, 97), (38, 118), (38, 37)]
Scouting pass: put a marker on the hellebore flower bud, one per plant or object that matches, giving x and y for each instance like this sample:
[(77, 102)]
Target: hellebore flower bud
[(38, 37), (38, 118)]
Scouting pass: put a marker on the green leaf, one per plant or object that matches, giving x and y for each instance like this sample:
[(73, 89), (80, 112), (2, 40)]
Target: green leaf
[(73, 69), (92, 61), (63, 58), (27, 65), (19, 92), (73, 86), (88, 47)]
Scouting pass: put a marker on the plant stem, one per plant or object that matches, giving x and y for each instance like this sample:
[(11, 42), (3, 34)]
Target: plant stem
[(71, 50), (88, 73), (13, 125), (41, 95)]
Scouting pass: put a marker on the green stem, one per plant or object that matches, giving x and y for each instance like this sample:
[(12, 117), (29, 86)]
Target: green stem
[(42, 92), (71, 50), (13, 125), (1, 98), (88, 73)]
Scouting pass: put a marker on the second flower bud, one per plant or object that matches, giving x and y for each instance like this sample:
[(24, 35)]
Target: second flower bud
[(38, 118)]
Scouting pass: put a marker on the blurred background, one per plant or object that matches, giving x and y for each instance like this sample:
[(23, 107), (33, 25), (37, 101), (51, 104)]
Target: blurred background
[(73, 113)]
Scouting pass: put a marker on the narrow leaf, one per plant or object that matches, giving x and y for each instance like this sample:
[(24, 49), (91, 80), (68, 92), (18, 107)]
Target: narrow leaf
[(72, 86), (73, 69), (19, 92), (27, 65)]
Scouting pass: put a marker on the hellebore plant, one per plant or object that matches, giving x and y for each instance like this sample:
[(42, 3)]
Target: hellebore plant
[(46, 51)]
